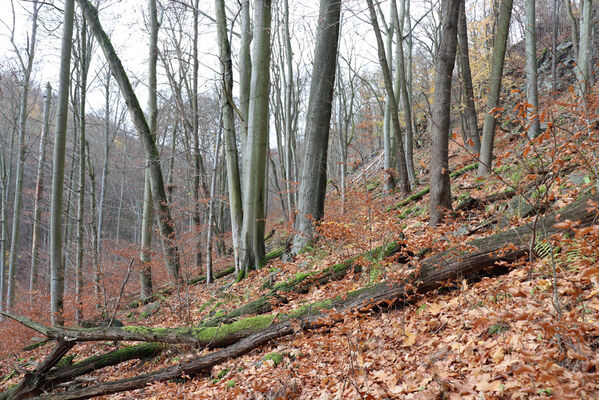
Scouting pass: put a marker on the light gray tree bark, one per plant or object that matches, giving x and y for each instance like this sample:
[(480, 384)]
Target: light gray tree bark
[(440, 197), (162, 209), (313, 179), (228, 121), (532, 88), (403, 172), (583, 62), (198, 170), (145, 273), (39, 192), (209, 275), (471, 134), (26, 68), (497, 61), (60, 134), (245, 69), (251, 245)]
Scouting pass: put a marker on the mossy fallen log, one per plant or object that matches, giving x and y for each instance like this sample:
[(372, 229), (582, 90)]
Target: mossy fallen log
[(302, 283)]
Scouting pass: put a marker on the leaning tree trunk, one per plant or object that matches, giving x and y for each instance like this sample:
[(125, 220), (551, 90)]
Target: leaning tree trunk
[(440, 199), (22, 146), (39, 191), (60, 135), (165, 221), (313, 181), (228, 118), (497, 61), (251, 244), (471, 134), (532, 89)]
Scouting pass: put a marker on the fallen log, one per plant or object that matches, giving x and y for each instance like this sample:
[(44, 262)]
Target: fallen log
[(489, 255), (57, 376), (302, 283), (470, 203)]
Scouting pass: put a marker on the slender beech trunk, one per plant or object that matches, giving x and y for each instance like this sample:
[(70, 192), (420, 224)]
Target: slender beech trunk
[(121, 193), (289, 129), (39, 192), (228, 121), (195, 136), (98, 282), (471, 134), (403, 172), (583, 62), (402, 92), (245, 69), (574, 35), (497, 61), (106, 156), (532, 88), (313, 180), (166, 225), (209, 277), (84, 60), (440, 187), (56, 261), (387, 136), (27, 66), (145, 274), (251, 243)]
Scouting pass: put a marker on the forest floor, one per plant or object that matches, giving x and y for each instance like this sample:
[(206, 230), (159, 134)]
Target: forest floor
[(532, 332)]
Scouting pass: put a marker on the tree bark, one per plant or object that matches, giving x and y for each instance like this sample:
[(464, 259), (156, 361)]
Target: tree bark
[(60, 135), (166, 223), (470, 119), (313, 179), (497, 61), (440, 199), (39, 191), (228, 118), (532, 88), (22, 146), (403, 172), (251, 245)]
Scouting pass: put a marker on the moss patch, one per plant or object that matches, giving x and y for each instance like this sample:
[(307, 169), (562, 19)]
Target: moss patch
[(276, 358)]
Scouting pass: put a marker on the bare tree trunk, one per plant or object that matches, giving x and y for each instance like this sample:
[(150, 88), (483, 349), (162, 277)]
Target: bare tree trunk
[(583, 62), (209, 277), (228, 121), (166, 224), (574, 27), (196, 156), (289, 114), (105, 163), (497, 61), (471, 134), (145, 274), (245, 70), (26, 67), (251, 244), (56, 263), (532, 88), (84, 60), (313, 181), (39, 192), (403, 172), (440, 187), (389, 156)]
